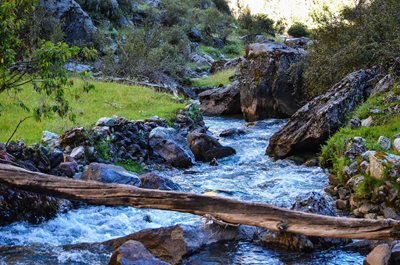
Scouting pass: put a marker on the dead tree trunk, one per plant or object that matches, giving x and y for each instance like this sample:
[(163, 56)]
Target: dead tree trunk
[(228, 210)]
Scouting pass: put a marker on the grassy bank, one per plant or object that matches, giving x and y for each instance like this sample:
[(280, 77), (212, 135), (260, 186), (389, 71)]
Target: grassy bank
[(384, 124), (107, 99), (217, 79)]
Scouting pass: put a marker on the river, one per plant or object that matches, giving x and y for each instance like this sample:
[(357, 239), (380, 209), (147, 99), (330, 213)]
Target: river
[(249, 175)]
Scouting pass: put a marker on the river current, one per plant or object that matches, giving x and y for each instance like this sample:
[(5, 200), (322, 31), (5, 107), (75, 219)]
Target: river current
[(249, 175)]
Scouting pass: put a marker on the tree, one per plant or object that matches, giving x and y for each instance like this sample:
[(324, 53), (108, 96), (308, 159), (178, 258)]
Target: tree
[(42, 67)]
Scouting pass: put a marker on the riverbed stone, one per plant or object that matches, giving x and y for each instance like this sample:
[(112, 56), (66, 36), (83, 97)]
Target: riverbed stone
[(134, 253), (380, 255), (205, 147), (110, 174), (232, 132)]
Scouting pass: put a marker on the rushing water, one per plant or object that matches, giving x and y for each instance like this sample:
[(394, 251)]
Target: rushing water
[(249, 175)]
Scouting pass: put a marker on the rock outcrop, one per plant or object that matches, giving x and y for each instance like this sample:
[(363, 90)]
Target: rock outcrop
[(134, 252), (270, 81), (221, 101), (312, 125), (172, 147), (76, 24), (205, 147)]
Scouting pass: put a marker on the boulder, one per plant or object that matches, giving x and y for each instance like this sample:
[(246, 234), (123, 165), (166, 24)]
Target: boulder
[(221, 101), (270, 82), (110, 174), (68, 169), (315, 122), (380, 255), (74, 137), (355, 123), (384, 84), (173, 243), (172, 147), (205, 147), (367, 122), (133, 252), (76, 24), (395, 256), (195, 35), (154, 181), (78, 153)]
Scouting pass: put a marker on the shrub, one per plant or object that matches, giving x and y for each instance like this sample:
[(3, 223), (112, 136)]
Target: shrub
[(298, 30), (357, 38), (256, 24)]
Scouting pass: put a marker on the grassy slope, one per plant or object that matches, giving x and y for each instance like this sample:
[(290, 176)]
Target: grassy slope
[(107, 99), (386, 125), (219, 78)]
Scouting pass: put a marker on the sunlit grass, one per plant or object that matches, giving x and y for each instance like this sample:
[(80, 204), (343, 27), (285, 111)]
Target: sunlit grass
[(107, 99), (217, 79)]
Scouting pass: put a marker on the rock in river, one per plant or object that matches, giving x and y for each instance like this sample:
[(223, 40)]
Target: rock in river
[(205, 147), (110, 174)]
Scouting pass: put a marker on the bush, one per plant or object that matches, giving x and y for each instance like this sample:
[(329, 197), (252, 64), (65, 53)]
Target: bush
[(148, 50), (298, 30), (357, 38), (256, 24)]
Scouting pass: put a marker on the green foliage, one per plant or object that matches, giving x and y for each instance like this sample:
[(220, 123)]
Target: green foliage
[(105, 100), (130, 166), (103, 150), (357, 38), (215, 80), (298, 30), (256, 24), (233, 50)]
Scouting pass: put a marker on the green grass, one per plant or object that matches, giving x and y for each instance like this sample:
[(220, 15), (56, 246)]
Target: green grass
[(107, 99), (217, 79), (332, 154), (228, 51), (130, 166)]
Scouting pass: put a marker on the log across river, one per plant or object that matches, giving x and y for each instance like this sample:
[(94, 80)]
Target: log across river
[(227, 210)]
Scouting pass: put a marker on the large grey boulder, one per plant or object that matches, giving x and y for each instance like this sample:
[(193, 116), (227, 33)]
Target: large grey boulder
[(205, 147), (172, 244), (221, 101), (76, 24), (315, 122), (172, 147), (270, 79), (110, 174), (134, 253)]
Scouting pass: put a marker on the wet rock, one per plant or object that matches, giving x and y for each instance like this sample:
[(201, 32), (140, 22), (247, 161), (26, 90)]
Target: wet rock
[(389, 213), (173, 148), (68, 169), (214, 162), (133, 252), (205, 147), (154, 181), (50, 139), (367, 122), (395, 255), (355, 123), (384, 142), (380, 255), (312, 162), (231, 132), (110, 174), (268, 89), (76, 24), (173, 243), (342, 204), (313, 124), (285, 240), (221, 101)]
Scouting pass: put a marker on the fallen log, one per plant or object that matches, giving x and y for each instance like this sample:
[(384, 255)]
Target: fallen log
[(227, 210)]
